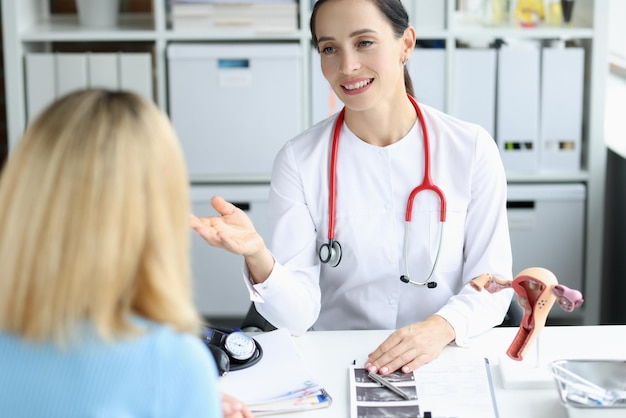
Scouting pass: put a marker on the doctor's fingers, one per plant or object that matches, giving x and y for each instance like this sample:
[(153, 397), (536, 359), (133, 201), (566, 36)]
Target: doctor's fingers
[(203, 227), (386, 352), (400, 348), (231, 213), (403, 357)]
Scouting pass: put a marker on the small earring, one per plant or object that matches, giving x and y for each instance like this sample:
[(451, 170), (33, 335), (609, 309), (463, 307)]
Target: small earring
[(404, 60)]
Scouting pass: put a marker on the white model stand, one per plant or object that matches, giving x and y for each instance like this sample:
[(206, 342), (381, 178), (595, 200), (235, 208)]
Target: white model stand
[(530, 373)]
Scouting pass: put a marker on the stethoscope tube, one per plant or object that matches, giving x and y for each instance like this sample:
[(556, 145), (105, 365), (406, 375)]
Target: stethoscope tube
[(330, 252)]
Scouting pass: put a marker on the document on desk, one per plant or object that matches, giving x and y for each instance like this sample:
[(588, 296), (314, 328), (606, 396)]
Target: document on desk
[(279, 383), (446, 387)]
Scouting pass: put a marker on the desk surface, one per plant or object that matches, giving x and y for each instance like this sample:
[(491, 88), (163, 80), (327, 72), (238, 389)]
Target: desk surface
[(329, 353)]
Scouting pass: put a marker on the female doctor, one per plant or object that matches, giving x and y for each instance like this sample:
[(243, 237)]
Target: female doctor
[(348, 224)]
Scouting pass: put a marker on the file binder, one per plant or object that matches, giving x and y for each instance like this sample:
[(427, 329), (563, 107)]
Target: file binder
[(136, 73), (561, 109), (71, 72), (50, 75), (517, 130), (475, 87), (40, 83), (103, 70), (427, 68)]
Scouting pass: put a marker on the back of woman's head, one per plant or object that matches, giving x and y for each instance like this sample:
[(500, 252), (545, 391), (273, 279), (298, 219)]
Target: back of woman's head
[(94, 219), (395, 13)]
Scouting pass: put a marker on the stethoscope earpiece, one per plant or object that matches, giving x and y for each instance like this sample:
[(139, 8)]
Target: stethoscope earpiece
[(331, 253)]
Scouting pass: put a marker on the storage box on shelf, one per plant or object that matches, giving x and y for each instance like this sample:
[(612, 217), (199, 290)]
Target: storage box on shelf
[(233, 106), (29, 27), (258, 16)]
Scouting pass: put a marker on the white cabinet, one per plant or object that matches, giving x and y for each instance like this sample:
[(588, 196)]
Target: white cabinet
[(547, 224), (29, 27), (219, 289)]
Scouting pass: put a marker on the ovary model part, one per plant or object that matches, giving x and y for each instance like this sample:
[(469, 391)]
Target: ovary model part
[(537, 289)]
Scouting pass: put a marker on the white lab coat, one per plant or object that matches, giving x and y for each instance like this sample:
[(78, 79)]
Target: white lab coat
[(373, 184)]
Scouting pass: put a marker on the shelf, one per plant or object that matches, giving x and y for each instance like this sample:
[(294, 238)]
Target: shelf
[(540, 177), (546, 32), (232, 35), (130, 28)]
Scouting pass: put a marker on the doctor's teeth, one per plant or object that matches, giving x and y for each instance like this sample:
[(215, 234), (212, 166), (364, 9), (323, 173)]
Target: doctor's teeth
[(358, 85)]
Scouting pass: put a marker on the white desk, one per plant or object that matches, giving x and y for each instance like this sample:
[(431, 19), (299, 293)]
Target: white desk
[(329, 353)]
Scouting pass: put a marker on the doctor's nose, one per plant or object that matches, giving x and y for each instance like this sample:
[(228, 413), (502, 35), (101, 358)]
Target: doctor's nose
[(349, 63)]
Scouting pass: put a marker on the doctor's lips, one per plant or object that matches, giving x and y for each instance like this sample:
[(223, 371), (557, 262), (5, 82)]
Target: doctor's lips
[(357, 85)]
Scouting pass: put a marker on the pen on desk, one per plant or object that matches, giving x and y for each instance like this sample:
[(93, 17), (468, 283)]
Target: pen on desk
[(388, 385)]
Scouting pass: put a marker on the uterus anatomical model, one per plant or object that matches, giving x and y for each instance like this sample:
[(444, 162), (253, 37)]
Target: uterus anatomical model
[(537, 289)]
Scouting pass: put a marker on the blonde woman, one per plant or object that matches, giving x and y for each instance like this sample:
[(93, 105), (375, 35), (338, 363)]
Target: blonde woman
[(96, 314)]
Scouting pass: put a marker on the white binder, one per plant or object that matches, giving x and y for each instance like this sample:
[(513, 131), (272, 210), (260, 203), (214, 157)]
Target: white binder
[(51, 75), (135, 71), (561, 109), (475, 87), (517, 130), (71, 72), (40, 83), (103, 70), (427, 68)]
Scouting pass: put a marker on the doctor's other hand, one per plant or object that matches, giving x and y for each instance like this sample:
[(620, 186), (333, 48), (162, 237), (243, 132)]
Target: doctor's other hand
[(233, 408), (232, 229), (411, 347)]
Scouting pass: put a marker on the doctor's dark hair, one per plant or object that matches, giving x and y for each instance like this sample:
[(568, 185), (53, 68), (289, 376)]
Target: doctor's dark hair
[(395, 13)]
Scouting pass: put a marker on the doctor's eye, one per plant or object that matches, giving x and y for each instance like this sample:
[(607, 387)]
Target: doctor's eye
[(365, 43), (327, 50)]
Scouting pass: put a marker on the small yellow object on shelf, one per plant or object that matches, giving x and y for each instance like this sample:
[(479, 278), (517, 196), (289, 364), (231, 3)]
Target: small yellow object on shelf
[(529, 13)]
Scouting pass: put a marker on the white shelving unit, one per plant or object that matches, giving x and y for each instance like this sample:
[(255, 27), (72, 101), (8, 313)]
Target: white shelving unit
[(29, 27)]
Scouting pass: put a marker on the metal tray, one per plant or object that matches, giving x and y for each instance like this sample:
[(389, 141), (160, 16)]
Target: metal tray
[(591, 388)]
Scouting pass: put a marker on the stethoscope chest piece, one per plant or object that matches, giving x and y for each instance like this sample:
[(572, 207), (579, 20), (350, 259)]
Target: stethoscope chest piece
[(330, 253)]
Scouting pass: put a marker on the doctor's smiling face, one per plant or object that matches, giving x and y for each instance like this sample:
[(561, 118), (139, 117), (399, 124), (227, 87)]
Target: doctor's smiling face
[(363, 45)]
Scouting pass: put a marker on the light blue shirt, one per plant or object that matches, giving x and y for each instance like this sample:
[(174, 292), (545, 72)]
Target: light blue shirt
[(160, 373)]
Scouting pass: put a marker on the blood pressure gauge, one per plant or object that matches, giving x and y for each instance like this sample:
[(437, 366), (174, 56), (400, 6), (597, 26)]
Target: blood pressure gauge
[(239, 346)]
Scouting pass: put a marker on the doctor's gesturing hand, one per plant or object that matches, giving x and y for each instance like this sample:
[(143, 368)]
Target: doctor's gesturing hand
[(233, 231)]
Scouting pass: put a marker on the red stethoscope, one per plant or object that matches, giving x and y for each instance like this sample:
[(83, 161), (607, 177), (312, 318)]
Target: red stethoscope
[(330, 252)]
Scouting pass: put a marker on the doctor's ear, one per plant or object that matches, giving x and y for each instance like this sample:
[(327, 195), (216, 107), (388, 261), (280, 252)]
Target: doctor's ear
[(409, 40)]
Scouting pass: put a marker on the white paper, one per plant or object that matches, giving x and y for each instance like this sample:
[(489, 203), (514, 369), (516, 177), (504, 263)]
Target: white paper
[(447, 387)]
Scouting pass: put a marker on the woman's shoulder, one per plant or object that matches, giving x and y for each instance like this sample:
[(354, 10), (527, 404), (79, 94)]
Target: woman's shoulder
[(171, 341)]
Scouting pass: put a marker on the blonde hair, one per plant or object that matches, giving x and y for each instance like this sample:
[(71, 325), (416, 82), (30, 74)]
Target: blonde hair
[(94, 206)]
